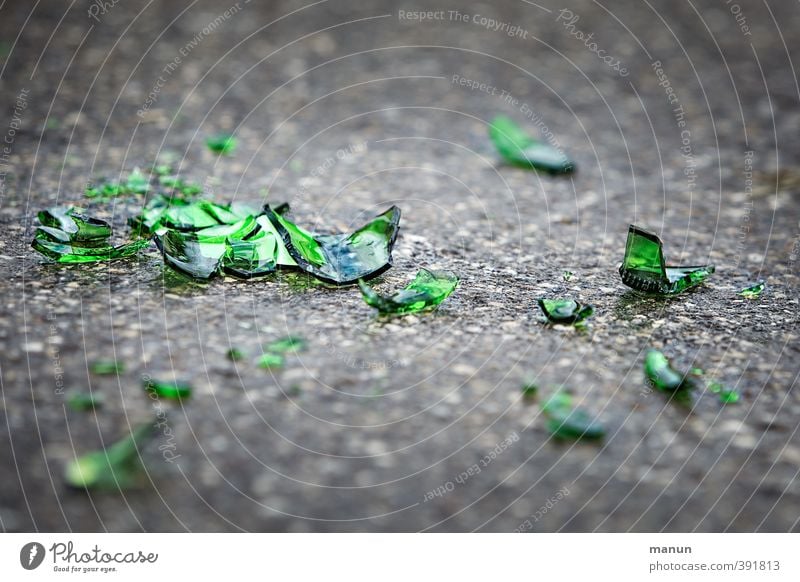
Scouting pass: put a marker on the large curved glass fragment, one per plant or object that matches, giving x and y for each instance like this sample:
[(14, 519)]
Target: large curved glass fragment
[(115, 467), (67, 236), (341, 259), (643, 268), (518, 148), (426, 291)]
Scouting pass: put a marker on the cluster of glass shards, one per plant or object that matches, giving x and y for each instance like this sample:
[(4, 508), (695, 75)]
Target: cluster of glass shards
[(66, 235), (203, 239)]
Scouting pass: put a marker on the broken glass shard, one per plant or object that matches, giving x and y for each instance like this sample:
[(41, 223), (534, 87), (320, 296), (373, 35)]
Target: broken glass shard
[(106, 367), (78, 238), (235, 354), (270, 360), (178, 186), (116, 467), (257, 252), (643, 268), (164, 212), (661, 375), (162, 169), (753, 291), (530, 391), (187, 253), (518, 148), (222, 143), (426, 291), (169, 390), (565, 311), (77, 225), (568, 422), (84, 400), (136, 183), (726, 395), (341, 259), (289, 343)]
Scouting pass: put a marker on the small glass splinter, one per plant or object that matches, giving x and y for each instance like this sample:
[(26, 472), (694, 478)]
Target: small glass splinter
[(643, 268)]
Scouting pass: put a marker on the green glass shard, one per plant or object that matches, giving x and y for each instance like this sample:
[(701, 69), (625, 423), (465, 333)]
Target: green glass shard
[(77, 225), (726, 395), (289, 343), (177, 185), (230, 238), (252, 257), (568, 422), (179, 214), (341, 259), (162, 169), (283, 258), (136, 183), (530, 391), (661, 375), (106, 367), (84, 400), (753, 291), (567, 275), (81, 240), (643, 268), (186, 253), (270, 360), (235, 354), (565, 311), (169, 390), (221, 143), (116, 467), (426, 291), (221, 232), (193, 216), (518, 148)]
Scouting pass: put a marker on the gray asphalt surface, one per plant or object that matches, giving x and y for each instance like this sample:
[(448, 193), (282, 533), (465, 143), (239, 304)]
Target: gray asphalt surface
[(341, 109)]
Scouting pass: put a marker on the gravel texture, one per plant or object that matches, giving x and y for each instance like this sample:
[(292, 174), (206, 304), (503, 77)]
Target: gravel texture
[(342, 109)]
